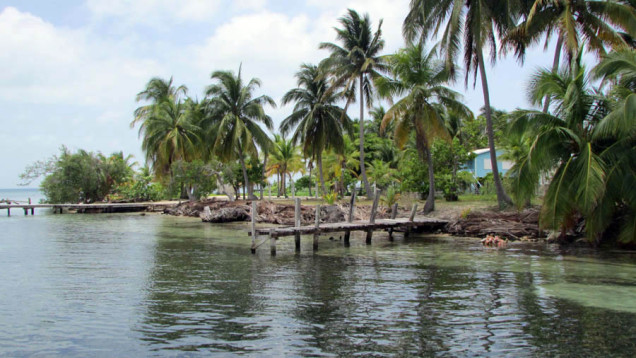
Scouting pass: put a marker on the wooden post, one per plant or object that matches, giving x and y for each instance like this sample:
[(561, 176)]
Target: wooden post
[(297, 223), (32, 211), (393, 215), (347, 235), (8, 211), (316, 235), (26, 212), (316, 192), (411, 218), (272, 243), (374, 210), (352, 204), (253, 226)]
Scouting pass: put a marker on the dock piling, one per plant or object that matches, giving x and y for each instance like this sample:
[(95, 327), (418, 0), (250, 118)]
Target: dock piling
[(254, 227), (316, 234), (394, 210), (374, 210), (297, 222), (272, 243), (411, 218)]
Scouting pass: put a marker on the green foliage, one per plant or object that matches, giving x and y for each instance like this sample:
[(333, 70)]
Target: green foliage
[(196, 177), (330, 198), (141, 188), (391, 196), (305, 182), (80, 177)]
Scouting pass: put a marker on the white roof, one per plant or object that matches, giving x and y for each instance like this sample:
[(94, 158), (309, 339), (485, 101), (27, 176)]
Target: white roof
[(481, 151)]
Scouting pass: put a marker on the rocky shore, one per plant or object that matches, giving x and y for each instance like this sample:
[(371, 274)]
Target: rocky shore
[(512, 225)]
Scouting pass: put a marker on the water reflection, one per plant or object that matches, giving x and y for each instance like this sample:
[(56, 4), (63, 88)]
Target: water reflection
[(139, 286)]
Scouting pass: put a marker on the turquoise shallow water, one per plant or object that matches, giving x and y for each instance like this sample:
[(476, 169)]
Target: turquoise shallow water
[(114, 285)]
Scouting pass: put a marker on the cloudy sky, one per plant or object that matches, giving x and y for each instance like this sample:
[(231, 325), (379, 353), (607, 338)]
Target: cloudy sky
[(70, 70)]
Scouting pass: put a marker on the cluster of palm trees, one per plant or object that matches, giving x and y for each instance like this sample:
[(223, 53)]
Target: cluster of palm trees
[(226, 124)]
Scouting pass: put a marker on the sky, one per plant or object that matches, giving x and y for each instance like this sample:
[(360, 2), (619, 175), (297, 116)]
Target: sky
[(70, 70)]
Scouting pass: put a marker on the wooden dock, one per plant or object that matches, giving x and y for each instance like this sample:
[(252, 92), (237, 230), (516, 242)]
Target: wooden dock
[(391, 225), (89, 208)]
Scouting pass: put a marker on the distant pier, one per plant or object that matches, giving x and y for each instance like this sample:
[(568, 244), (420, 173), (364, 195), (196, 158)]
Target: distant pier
[(89, 208)]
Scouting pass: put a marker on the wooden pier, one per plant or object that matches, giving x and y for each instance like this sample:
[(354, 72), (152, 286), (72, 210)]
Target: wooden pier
[(368, 226), (89, 208)]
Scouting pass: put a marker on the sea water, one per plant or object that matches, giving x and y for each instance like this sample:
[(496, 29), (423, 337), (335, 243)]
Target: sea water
[(124, 285)]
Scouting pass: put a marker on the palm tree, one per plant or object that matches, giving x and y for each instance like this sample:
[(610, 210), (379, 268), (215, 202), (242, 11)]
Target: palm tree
[(477, 24), (237, 113), (419, 77), (562, 142), (157, 90), (595, 23), (358, 60), (320, 124), (617, 134), (168, 135), (285, 158)]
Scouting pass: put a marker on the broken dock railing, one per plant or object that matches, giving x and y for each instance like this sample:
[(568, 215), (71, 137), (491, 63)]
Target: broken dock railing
[(368, 226)]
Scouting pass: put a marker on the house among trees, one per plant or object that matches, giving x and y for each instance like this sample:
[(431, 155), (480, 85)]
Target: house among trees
[(481, 165)]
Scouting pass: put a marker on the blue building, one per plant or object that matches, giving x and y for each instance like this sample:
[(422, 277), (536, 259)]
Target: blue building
[(481, 165)]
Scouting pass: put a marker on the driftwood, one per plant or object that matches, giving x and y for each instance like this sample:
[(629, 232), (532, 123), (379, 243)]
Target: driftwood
[(511, 225)]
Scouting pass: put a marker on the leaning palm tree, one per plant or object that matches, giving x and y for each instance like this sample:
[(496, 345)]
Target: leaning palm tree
[(419, 77), (320, 124), (562, 143), (595, 23), (358, 59), (473, 24), (237, 114)]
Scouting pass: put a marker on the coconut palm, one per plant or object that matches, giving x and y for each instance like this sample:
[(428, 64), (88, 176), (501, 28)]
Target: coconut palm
[(358, 59), (471, 25), (319, 123), (562, 143), (157, 90), (596, 23), (285, 158), (419, 77), (237, 114), (168, 135)]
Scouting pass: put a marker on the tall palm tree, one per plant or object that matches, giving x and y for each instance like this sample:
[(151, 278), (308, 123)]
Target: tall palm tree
[(358, 59), (157, 90), (596, 23), (285, 158), (168, 135), (237, 114), (320, 124), (419, 77), (473, 24)]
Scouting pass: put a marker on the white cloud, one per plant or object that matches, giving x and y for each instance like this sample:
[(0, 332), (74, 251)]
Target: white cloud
[(155, 12), (45, 64)]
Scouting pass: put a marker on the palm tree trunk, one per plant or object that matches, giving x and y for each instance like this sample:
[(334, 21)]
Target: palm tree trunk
[(555, 68), (342, 177), (322, 179), (363, 170), (263, 174), (425, 154), (246, 181), (503, 199), (284, 182), (309, 187)]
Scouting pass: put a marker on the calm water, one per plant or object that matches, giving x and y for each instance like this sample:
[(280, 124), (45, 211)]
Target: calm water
[(114, 285)]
